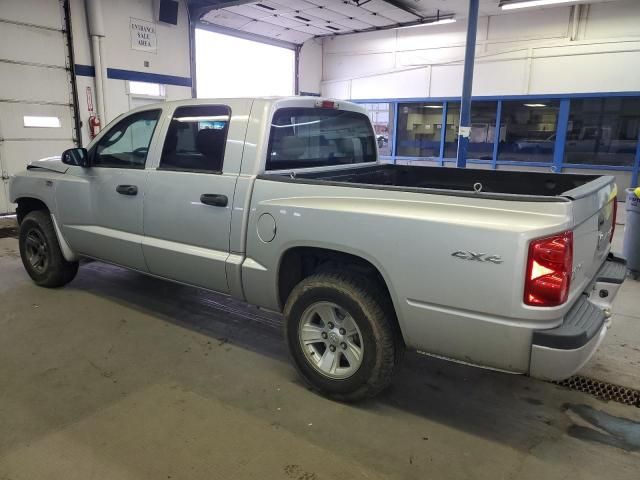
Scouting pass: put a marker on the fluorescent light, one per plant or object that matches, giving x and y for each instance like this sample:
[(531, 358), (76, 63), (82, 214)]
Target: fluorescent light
[(533, 3), (432, 106), (535, 105), (432, 21), (40, 121)]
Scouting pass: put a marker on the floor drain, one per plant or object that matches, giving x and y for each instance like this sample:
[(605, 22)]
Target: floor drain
[(602, 390)]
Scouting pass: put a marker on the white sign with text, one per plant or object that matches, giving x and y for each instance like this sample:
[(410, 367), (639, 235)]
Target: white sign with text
[(143, 35)]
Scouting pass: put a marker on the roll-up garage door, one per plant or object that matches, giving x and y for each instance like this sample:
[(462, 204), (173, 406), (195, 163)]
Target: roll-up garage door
[(36, 96)]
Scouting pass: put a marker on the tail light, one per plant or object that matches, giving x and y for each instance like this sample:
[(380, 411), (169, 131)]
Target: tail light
[(615, 217), (549, 270)]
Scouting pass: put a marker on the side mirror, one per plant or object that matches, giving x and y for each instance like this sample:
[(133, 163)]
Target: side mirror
[(76, 156)]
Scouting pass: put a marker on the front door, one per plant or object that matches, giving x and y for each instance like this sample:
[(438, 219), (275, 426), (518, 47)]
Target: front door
[(187, 205), (102, 209)]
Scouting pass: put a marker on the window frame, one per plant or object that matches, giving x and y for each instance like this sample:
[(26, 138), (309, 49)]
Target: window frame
[(94, 148), (196, 170)]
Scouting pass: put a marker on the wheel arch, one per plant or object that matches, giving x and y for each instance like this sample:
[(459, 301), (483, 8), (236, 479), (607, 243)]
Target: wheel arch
[(299, 262), (28, 204)]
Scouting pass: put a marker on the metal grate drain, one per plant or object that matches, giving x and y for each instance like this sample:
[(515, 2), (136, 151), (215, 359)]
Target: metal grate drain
[(602, 390)]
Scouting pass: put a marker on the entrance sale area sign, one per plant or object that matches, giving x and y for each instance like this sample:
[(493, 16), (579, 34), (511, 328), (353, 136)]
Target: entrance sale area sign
[(143, 35)]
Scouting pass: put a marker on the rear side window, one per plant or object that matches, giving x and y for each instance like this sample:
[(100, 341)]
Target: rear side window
[(196, 139), (315, 137)]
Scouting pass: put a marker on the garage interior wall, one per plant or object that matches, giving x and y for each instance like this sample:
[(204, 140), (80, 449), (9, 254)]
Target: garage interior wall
[(582, 63), (168, 65), (545, 51)]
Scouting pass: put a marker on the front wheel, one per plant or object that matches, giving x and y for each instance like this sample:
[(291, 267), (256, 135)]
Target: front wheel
[(340, 336), (41, 254)]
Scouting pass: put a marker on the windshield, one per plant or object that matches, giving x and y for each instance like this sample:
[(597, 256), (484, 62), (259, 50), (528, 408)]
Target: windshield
[(315, 137)]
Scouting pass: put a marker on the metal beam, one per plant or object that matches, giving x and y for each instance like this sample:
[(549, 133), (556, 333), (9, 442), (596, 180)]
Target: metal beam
[(467, 84), (246, 35)]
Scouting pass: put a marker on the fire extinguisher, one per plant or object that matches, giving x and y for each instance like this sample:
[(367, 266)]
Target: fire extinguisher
[(94, 126)]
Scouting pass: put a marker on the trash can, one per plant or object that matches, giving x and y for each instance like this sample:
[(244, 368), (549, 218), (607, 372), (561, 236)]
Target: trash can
[(631, 242)]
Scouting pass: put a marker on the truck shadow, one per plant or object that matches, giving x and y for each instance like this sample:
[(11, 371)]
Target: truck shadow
[(509, 409)]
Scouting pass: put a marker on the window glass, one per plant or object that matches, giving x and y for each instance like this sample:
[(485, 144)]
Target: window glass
[(528, 130), (381, 115), (196, 138), (452, 128), (603, 131), (315, 137), (483, 129), (419, 129), (126, 145)]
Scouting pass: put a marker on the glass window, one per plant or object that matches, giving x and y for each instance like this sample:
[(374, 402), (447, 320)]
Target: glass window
[(603, 131), (483, 129), (196, 139), (381, 117), (528, 130), (315, 137), (126, 145), (419, 129), (452, 128)]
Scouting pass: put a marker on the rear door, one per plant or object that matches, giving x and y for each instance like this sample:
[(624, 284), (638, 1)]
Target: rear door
[(188, 202), (36, 107)]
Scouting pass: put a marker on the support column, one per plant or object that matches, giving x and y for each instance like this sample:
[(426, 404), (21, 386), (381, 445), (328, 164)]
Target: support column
[(467, 84)]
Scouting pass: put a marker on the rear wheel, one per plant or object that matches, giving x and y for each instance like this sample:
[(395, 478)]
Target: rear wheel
[(41, 254), (339, 336)]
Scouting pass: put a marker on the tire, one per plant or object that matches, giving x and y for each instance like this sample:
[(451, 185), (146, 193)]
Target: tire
[(359, 307), (41, 254)]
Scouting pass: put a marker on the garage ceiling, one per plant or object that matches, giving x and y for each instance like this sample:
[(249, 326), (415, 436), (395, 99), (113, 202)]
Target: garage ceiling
[(296, 21)]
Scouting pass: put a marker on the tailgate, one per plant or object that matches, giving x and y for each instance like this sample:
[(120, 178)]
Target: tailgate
[(593, 211)]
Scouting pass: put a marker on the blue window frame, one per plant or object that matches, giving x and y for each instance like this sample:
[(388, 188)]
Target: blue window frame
[(596, 131)]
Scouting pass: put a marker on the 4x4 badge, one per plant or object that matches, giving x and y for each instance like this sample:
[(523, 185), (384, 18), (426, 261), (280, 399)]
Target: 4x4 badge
[(479, 257)]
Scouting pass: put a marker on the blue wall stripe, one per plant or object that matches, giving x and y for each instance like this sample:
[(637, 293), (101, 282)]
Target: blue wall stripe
[(119, 74), (85, 70)]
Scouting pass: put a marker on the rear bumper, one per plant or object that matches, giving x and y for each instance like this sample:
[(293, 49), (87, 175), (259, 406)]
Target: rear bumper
[(560, 352)]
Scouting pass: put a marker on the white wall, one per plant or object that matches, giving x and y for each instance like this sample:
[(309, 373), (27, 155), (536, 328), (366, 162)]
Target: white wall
[(528, 52), (171, 58)]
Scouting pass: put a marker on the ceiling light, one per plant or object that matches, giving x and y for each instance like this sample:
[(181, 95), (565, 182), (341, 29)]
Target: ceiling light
[(438, 20), (534, 105), (511, 5), (432, 106)]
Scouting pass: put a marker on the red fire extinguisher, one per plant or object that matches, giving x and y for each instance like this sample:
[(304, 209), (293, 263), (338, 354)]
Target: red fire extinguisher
[(94, 126), (94, 121)]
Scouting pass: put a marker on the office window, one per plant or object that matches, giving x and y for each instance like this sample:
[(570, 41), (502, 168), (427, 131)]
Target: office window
[(452, 128), (419, 129), (483, 129), (528, 130), (603, 131), (381, 115), (196, 139)]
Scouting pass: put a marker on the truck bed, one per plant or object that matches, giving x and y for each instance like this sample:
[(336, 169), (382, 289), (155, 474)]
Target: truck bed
[(456, 181)]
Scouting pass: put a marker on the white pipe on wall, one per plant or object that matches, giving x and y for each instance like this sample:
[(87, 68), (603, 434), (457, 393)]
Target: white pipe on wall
[(97, 65), (96, 31)]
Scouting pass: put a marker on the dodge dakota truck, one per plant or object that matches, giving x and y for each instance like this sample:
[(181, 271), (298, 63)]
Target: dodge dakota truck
[(283, 203)]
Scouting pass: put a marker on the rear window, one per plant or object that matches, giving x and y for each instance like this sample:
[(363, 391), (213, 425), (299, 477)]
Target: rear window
[(314, 137)]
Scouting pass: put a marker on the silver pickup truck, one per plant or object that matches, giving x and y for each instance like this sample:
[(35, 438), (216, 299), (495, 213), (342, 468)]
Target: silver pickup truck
[(283, 203)]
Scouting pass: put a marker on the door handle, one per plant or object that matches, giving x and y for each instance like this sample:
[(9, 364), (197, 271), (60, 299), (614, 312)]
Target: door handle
[(127, 190), (214, 199)]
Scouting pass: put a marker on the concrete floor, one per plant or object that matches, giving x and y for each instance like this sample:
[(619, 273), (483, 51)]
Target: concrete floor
[(121, 376)]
